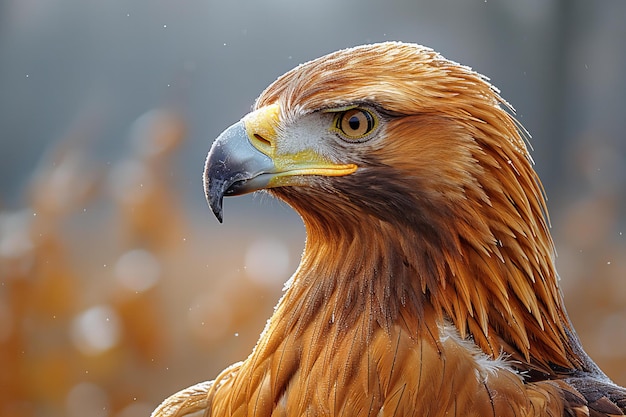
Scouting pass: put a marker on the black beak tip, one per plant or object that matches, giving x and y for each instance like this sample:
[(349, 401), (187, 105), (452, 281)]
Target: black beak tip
[(214, 193), (216, 208), (215, 201), (218, 211)]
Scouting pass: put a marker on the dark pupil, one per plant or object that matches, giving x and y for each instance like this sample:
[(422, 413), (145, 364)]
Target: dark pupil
[(354, 123)]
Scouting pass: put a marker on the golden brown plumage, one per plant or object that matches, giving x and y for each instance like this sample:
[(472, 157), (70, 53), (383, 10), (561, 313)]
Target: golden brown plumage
[(427, 284)]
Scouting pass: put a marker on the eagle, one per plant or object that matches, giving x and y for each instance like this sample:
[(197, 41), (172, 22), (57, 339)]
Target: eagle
[(427, 285)]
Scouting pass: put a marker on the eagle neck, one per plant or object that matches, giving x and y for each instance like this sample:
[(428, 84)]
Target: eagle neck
[(357, 275)]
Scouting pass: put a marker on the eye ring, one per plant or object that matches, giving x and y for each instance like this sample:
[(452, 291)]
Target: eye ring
[(355, 124)]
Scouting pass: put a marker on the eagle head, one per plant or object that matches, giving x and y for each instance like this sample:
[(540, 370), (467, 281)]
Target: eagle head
[(391, 151)]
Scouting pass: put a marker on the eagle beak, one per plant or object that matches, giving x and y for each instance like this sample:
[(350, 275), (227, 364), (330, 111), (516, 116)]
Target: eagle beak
[(233, 166), (246, 157)]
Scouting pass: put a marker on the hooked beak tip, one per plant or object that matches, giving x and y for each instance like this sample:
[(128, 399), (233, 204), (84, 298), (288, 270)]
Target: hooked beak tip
[(214, 190)]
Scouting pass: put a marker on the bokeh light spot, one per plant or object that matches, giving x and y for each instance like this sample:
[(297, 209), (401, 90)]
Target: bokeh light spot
[(87, 399), (138, 270), (267, 261), (96, 330)]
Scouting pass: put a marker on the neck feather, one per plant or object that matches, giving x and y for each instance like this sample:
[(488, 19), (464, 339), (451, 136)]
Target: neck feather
[(374, 274)]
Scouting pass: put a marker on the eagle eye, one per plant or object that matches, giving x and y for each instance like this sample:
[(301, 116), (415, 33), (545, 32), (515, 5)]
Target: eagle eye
[(355, 124)]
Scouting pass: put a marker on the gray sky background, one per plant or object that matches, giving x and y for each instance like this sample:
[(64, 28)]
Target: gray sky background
[(102, 64)]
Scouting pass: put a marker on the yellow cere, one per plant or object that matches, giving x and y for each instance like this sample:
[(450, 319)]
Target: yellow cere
[(261, 126)]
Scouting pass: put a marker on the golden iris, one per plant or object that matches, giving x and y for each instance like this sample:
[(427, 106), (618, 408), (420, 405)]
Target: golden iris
[(355, 123)]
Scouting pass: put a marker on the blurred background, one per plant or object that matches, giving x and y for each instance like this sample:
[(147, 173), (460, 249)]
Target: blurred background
[(117, 285)]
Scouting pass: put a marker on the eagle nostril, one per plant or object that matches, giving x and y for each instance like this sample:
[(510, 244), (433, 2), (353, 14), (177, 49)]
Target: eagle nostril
[(262, 144), (261, 139)]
